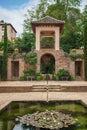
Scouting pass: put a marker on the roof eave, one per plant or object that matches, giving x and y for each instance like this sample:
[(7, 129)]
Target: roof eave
[(34, 25)]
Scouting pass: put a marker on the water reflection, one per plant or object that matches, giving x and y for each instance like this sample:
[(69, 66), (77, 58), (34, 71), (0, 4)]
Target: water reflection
[(6, 125), (76, 109), (23, 127)]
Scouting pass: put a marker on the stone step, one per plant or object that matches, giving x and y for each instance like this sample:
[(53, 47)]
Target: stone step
[(42, 88)]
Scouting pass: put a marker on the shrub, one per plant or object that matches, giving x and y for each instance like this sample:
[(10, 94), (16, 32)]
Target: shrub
[(71, 78), (61, 73), (39, 77), (30, 72), (22, 78)]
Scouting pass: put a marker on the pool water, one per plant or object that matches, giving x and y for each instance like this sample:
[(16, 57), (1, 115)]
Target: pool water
[(14, 109)]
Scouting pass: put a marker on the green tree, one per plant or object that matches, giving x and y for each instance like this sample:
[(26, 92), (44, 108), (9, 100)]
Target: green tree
[(10, 46), (85, 40), (17, 43), (69, 3), (41, 9), (85, 50), (57, 11), (5, 51), (72, 36), (30, 16), (62, 10), (28, 42), (34, 14), (71, 40)]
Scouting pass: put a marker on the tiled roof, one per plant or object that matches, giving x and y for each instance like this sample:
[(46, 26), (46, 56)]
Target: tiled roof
[(48, 20), (2, 23)]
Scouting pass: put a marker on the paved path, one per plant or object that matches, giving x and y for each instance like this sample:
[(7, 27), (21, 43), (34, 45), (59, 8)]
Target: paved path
[(6, 98)]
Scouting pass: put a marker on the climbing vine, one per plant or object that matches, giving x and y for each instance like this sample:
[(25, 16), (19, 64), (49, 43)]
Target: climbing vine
[(31, 58), (76, 56), (73, 57)]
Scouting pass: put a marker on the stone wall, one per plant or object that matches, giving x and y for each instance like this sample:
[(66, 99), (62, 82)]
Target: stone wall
[(10, 33), (60, 60), (9, 68)]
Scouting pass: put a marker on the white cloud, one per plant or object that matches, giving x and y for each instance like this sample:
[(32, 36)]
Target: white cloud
[(16, 16), (83, 3)]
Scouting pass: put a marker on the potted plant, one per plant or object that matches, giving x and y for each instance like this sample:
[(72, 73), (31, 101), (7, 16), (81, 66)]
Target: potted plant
[(63, 74)]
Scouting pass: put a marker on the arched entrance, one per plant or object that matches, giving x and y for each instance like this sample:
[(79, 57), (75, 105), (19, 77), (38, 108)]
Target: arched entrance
[(47, 64)]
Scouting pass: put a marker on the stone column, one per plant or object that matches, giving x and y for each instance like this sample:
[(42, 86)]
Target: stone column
[(38, 63), (72, 68), (57, 38), (37, 39), (21, 67), (9, 69)]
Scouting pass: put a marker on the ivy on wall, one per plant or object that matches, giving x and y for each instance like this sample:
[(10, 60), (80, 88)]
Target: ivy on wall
[(31, 58), (73, 57), (76, 56)]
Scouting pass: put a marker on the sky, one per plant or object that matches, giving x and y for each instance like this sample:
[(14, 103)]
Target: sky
[(13, 11)]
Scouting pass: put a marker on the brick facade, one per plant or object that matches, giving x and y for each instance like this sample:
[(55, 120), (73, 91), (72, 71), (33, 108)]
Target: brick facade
[(76, 68), (11, 32)]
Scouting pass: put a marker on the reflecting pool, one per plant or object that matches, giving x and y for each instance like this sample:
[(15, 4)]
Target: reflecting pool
[(14, 109)]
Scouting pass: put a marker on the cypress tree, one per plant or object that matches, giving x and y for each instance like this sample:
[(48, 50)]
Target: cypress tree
[(1, 60), (4, 66), (85, 50)]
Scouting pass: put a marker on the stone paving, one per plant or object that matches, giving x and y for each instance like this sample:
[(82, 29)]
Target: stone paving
[(6, 98), (30, 83)]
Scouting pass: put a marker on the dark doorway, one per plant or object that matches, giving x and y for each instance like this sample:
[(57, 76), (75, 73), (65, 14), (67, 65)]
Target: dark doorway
[(15, 69), (47, 64), (78, 68)]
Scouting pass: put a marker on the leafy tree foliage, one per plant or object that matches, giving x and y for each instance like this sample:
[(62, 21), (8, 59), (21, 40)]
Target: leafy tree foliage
[(28, 42), (69, 3), (41, 8), (70, 41), (10, 46), (85, 50), (85, 40), (24, 44), (31, 58), (31, 15), (34, 14), (57, 11), (67, 10)]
